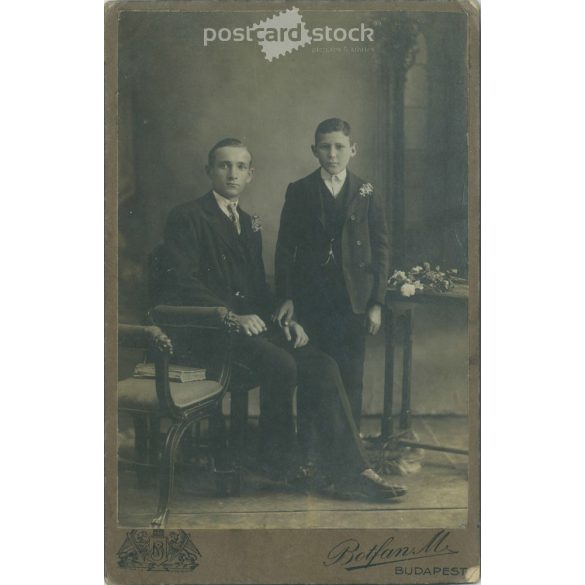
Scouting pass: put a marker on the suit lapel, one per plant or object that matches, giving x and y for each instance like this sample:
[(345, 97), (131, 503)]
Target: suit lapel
[(247, 237), (353, 188), (315, 201), (250, 243)]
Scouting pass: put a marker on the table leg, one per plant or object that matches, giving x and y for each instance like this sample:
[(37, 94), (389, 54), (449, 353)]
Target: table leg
[(387, 424), (405, 421), (405, 414)]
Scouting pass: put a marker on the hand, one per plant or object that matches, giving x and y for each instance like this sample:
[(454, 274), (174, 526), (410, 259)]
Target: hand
[(284, 314), (374, 319), (295, 332), (250, 324)]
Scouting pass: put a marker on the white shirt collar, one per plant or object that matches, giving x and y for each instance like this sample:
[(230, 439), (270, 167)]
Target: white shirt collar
[(334, 182), (225, 204)]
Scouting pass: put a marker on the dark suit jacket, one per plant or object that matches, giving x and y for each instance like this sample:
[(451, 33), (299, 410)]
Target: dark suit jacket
[(204, 262), (303, 244)]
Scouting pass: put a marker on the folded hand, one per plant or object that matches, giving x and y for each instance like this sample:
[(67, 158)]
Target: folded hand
[(250, 324), (295, 332), (284, 314)]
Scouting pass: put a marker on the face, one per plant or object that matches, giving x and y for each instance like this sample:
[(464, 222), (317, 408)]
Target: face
[(231, 171), (334, 149)]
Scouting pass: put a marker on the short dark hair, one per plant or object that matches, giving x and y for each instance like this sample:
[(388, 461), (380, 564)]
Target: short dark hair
[(225, 142), (332, 125)]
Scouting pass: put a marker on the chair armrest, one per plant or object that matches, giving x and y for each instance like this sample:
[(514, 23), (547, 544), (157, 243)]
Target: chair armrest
[(190, 317), (163, 388), (193, 317), (141, 337)]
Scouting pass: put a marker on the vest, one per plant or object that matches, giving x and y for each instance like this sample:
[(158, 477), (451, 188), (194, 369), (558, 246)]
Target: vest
[(335, 211)]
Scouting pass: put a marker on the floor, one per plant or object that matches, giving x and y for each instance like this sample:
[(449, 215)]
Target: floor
[(437, 494)]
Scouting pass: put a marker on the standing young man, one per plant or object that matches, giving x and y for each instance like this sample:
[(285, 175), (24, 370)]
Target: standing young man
[(332, 257)]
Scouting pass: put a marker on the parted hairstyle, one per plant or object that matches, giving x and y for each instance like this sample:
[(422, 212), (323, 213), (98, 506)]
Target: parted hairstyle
[(221, 144), (332, 125)]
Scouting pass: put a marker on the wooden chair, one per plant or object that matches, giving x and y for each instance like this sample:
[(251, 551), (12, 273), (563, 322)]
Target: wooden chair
[(173, 319), (176, 318), (149, 401)]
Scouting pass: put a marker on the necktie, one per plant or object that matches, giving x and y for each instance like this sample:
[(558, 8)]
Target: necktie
[(233, 215), (335, 185)]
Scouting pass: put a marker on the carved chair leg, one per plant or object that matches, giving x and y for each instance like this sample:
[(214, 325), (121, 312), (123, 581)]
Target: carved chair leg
[(167, 469)]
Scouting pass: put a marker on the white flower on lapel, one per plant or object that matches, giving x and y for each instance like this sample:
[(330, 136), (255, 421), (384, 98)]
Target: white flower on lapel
[(366, 189), (256, 223)]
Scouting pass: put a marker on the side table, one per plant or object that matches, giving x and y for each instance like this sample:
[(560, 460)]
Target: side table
[(400, 307)]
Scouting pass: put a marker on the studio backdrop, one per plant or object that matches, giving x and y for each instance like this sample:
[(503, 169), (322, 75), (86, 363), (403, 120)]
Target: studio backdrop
[(406, 100)]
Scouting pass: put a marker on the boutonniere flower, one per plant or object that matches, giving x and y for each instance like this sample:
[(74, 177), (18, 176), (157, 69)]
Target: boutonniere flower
[(256, 223), (366, 189)]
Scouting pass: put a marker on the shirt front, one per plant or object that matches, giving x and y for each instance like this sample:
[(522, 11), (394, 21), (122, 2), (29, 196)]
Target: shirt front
[(334, 183), (230, 209), (227, 205)]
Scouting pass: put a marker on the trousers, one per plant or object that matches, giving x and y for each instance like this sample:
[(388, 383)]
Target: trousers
[(322, 402), (342, 335)]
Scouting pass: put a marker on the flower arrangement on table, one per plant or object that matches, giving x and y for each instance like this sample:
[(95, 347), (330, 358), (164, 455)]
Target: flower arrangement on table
[(423, 278)]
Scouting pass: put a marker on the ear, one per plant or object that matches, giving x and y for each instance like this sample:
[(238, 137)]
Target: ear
[(250, 175), (353, 149), (314, 150), (207, 170)]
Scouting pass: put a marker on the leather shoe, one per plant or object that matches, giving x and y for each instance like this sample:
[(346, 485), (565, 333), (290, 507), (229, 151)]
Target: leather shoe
[(369, 475), (369, 485)]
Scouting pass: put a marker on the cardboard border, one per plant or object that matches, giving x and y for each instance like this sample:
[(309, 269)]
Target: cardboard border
[(255, 556)]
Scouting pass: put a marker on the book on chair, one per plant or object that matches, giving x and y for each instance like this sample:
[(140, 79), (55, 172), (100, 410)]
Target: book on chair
[(176, 373)]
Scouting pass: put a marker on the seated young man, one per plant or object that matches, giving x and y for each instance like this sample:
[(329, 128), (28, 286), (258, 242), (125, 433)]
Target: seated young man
[(213, 255)]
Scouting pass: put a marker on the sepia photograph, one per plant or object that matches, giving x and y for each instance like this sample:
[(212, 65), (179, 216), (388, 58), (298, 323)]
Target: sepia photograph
[(266, 214), (292, 292)]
